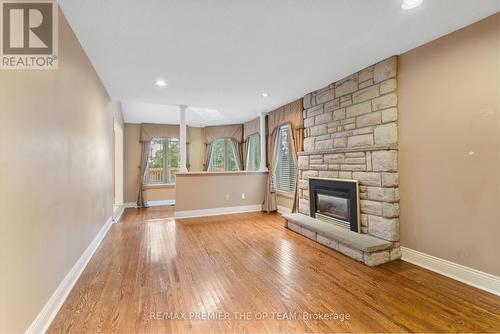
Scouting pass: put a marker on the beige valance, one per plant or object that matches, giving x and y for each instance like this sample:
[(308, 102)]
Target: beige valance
[(234, 131), (251, 127), (291, 113), (150, 131)]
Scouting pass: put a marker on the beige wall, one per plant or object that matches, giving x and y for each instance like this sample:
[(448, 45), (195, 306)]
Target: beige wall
[(132, 157), (449, 106), (198, 191), (56, 181)]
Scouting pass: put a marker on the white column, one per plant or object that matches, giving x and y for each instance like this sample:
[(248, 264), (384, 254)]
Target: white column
[(263, 147), (183, 130)]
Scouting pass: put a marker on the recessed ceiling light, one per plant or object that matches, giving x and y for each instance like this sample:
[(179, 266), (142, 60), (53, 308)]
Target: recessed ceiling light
[(264, 95), (160, 83), (410, 4)]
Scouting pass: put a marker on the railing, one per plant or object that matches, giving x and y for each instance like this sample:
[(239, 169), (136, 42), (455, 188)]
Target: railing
[(155, 175)]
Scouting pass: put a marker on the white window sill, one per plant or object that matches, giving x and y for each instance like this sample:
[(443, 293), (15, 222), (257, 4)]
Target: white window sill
[(159, 186)]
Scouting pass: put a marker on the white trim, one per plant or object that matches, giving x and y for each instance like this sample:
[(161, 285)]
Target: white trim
[(151, 203), (476, 278), (218, 211), (284, 209), (49, 311), (160, 203), (120, 214)]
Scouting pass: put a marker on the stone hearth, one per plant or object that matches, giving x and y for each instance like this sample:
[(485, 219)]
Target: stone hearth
[(351, 132)]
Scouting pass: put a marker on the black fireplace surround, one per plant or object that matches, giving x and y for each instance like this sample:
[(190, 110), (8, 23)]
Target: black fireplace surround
[(335, 199)]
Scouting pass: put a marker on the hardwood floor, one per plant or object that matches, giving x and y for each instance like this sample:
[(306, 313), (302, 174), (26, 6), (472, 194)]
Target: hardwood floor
[(251, 267)]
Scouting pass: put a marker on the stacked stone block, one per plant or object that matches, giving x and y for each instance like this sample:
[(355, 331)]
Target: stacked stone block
[(351, 132)]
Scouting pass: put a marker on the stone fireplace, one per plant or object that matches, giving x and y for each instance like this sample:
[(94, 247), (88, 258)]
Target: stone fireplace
[(351, 133)]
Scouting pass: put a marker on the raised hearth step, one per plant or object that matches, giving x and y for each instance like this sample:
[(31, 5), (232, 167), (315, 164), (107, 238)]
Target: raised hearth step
[(362, 242)]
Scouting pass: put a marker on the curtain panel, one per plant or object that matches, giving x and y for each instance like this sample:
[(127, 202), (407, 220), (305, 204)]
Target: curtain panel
[(249, 128), (291, 114)]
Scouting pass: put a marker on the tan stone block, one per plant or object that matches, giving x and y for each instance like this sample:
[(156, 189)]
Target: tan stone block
[(385, 69), (309, 144), (355, 160), (345, 175), (325, 95), (353, 167), (366, 74), (389, 115), (329, 175), (361, 140), (365, 94), (388, 86), (303, 184), (395, 253), (304, 207), (390, 210), (332, 105), (358, 109), (384, 102), (315, 111), (386, 134), (308, 233), (367, 178), (307, 101), (351, 252), (318, 130), (309, 173), (373, 118), (337, 158), (370, 207), (319, 167), (303, 162), (365, 84), (308, 122), (376, 258), (385, 228), (385, 161), (381, 194), (340, 142), (330, 243), (369, 161), (350, 126), (390, 179), (347, 85), (324, 144), (334, 167)]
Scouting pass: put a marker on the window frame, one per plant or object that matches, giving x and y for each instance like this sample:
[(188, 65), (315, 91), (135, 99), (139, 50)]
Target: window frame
[(166, 168), (247, 160), (227, 142), (286, 192)]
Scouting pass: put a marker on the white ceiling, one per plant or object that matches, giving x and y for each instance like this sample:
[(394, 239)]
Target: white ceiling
[(222, 54)]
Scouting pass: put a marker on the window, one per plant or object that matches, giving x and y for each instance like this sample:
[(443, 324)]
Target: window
[(253, 152), (223, 156), (286, 170), (163, 161)]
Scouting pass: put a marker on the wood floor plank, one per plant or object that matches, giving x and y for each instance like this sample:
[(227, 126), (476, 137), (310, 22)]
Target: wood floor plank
[(151, 266)]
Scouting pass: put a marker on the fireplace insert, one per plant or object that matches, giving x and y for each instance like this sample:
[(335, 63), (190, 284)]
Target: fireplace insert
[(335, 201)]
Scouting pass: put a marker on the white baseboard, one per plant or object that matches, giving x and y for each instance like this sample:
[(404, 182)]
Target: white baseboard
[(119, 215), (151, 203), (476, 278), (284, 209), (49, 311), (218, 211), (161, 203)]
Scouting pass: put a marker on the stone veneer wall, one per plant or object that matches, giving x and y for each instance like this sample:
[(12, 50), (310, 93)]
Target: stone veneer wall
[(351, 132)]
